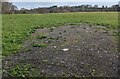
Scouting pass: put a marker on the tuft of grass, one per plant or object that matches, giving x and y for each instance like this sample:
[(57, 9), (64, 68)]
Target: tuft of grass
[(39, 45), (41, 37), (27, 49), (45, 61), (51, 38), (64, 31), (51, 29), (23, 71)]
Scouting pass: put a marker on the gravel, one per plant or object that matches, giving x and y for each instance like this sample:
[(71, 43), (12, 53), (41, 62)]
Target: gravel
[(80, 51)]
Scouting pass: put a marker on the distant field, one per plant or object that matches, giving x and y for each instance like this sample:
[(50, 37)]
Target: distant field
[(16, 27)]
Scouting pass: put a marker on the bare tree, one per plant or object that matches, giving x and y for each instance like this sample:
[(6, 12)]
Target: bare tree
[(95, 6)]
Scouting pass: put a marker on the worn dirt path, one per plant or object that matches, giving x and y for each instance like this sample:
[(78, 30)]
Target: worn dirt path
[(69, 51)]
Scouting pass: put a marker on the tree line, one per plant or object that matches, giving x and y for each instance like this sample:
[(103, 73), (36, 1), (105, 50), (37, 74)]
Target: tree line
[(9, 8)]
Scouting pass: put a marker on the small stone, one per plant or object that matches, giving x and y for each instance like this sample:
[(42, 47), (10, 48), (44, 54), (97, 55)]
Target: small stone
[(65, 59), (66, 49), (62, 61), (78, 49), (93, 70), (55, 46), (16, 58), (105, 51), (104, 31), (114, 67), (82, 62), (88, 64), (76, 41), (55, 74), (100, 56), (42, 71), (57, 64), (56, 58), (98, 51), (81, 69), (23, 75), (52, 63), (91, 49), (45, 60)]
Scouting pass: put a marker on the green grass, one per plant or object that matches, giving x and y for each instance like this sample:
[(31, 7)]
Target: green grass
[(41, 37), (16, 27), (39, 45), (23, 71)]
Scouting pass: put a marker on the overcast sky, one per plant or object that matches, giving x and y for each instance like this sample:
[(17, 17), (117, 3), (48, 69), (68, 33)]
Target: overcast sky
[(64, 0), (47, 3)]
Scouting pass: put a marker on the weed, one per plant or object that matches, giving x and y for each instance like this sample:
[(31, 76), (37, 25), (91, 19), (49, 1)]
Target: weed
[(51, 29), (39, 45), (51, 38), (23, 71), (45, 61), (27, 49), (41, 37), (60, 33), (64, 31)]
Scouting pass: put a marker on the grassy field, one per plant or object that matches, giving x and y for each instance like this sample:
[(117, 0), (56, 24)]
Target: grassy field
[(16, 27)]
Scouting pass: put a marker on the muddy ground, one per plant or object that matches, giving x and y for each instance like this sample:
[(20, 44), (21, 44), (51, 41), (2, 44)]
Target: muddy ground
[(69, 51)]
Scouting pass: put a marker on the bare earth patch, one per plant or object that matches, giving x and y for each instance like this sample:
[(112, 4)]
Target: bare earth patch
[(69, 51)]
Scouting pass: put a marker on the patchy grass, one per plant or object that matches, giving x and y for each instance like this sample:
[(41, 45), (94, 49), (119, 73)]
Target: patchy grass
[(23, 71), (27, 49), (51, 29), (39, 45), (41, 37), (16, 27)]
